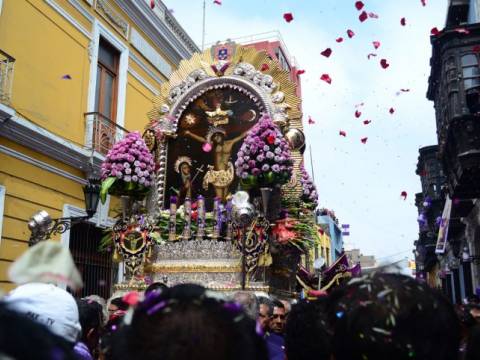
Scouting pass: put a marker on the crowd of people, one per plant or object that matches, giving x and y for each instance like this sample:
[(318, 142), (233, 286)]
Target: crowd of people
[(374, 317)]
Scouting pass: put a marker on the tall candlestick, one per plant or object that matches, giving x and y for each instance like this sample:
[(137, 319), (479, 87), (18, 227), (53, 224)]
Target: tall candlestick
[(187, 231), (172, 221), (216, 219), (200, 218), (228, 209)]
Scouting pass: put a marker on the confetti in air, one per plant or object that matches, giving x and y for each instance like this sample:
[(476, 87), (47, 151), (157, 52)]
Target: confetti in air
[(264, 67), (364, 140), (434, 31), (403, 22), (326, 78), (288, 17), (66, 77), (339, 39), (363, 16), (403, 194), (384, 63), (359, 5), (311, 121), (342, 133), (376, 44), (327, 52), (350, 33)]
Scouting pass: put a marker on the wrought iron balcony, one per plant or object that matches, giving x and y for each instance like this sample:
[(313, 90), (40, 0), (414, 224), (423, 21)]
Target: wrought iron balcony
[(6, 77), (102, 132)]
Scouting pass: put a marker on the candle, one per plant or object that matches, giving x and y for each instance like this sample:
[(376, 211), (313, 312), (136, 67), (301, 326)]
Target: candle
[(172, 221), (228, 209), (187, 232), (200, 218), (216, 219)]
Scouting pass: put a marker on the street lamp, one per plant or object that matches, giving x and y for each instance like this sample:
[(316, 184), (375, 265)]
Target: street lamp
[(42, 226)]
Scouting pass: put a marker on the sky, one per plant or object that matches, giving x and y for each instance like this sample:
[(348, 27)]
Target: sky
[(362, 183)]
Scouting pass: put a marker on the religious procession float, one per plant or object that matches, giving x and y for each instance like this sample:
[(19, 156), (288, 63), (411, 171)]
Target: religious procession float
[(214, 190)]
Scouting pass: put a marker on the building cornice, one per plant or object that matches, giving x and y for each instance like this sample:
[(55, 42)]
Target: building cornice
[(40, 164), (25, 133), (165, 32)]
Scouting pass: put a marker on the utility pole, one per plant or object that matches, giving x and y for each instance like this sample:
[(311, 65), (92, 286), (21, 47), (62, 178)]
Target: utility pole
[(203, 28), (311, 163)]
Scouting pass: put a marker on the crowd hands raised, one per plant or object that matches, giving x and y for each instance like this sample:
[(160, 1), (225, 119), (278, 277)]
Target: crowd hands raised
[(375, 317)]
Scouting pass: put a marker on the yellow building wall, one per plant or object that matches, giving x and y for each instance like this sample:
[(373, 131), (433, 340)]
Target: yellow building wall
[(29, 189), (139, 102), (46, 47)]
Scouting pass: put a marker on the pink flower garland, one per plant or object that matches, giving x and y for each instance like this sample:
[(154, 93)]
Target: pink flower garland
[(130, 160), (309, 189), (264, 152)]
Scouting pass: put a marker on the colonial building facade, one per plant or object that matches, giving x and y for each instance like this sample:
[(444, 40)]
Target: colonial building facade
[(75, 75), (454, 87)]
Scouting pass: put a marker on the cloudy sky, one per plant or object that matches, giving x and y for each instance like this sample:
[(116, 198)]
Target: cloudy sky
[(362, 183)]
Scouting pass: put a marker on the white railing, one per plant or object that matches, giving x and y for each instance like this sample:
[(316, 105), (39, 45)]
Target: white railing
[(6, 77)]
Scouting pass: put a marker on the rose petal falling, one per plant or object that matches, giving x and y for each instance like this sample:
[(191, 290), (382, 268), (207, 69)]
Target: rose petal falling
[(300, 72), (376, 44), (327, 52), (391, 110), (371, 55), (363, 16), (311, 121), (339, 39), (384, 63), (404, 195), (152, 4), (357, 114), (403, 22), (66, 77), (434, 31), (366, 122), (217, 2), (424, 2), (350, 33), (342, 133), (364, 140), (265, 67), (288, 17), (359, 5), (326, 78)]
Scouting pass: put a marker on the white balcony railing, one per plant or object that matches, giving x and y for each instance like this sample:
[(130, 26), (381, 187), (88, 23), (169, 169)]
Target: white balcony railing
[(102, 132), (6, 77)]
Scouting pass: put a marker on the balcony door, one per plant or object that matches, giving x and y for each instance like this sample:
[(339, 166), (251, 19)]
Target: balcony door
[(106, 96), (107, 79)]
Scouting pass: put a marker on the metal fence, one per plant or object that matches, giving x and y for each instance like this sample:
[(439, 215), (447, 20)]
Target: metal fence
[(104, 132), (6, 77)]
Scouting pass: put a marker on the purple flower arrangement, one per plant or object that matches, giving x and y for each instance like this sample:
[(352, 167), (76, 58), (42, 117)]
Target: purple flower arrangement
[(264, 157), (128, 167), (310, 194)]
